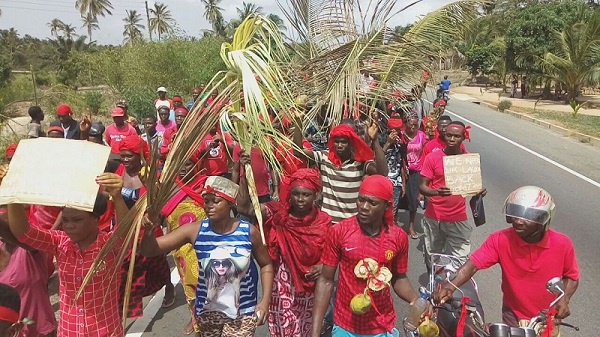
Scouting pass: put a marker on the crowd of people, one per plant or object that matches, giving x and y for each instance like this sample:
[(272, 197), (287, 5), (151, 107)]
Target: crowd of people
[(334, 209)]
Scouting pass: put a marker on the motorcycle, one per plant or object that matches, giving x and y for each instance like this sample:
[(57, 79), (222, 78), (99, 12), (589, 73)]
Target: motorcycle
[(538, 324), (443, 94), (464, 314)]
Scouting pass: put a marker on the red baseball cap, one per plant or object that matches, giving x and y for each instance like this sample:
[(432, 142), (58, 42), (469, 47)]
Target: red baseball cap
[(177, 99), (64, 110), (118, 112), (56, 129)]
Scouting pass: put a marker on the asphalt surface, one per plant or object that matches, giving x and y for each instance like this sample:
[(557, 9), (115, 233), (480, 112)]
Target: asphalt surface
[(505, 167)]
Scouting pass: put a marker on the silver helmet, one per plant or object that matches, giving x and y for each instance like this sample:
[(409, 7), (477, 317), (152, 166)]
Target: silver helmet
[(530, 203)]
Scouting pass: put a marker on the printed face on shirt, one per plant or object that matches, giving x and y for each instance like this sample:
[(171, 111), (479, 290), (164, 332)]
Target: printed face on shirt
[(302, 199), (370, 209), (454, 136), (221, 266), (130, 160), (524, 228), (216, 208), (341, 145), (164, 115), (79, 225)]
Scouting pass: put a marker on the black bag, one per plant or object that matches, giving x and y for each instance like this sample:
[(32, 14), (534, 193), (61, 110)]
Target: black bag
[(478, 210)]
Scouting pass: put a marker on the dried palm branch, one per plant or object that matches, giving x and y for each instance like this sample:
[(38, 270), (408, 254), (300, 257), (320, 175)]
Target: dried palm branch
[(254, 60)]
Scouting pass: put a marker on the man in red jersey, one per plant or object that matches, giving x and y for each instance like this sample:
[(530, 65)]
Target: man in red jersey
[(372, 237), (529, 254)]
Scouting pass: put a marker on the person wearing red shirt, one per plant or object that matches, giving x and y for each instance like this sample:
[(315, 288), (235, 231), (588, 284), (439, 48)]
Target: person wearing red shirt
[(170, 134), (214, 153), (260, 169), (439, 142), (445, 222), (529, 254), (372, 239), (96, 312), (117, 131)]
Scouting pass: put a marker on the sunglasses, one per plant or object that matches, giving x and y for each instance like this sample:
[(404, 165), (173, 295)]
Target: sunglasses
[(218, 263)]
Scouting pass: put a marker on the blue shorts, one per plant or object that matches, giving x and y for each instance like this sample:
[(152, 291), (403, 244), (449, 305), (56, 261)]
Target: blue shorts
[(337, 331)]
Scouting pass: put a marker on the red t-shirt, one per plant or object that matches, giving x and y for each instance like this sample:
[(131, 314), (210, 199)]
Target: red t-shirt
[(115, 135), (260, 169), (168, 138), (215, 162), (345, 246), (450, 209), (527, 267)]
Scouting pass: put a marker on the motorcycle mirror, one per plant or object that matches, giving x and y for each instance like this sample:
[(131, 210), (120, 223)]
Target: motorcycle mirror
[(555, 286)]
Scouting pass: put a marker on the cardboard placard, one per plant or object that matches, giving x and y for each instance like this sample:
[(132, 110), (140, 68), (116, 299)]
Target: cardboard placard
[(463, 174), (54, 172)]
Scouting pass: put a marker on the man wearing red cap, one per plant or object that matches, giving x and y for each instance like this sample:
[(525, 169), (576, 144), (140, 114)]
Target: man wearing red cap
[(445, 222), (66, 121), (368, 248), (343, 167), (118, 130)]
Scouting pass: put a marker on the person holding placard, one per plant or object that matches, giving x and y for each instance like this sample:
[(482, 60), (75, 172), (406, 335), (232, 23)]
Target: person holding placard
[(445, 222), (76, 248)]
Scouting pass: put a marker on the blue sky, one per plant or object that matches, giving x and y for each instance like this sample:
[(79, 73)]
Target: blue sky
[(32, 16)]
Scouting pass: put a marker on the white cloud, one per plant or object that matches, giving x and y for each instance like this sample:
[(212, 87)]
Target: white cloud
[(31, 16)]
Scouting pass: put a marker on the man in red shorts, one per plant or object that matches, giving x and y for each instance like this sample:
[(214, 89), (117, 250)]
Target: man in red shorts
[(370, 238), (529, 254)]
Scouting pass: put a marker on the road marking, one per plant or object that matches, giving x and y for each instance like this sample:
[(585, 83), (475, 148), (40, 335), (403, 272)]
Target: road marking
[(526, 149), (141, 324)]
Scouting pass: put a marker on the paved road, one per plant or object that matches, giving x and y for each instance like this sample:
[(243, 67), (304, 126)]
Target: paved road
[(505, 166)]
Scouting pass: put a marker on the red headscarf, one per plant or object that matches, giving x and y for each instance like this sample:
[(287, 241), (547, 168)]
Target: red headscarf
[(298, 242), (362, 151), (135, 144), (10, 150), (395, 123), (380, 187), (307, 178)]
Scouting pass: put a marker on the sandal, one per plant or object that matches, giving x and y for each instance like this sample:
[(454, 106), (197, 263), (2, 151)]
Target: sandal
[(168, 303), (414, 236)]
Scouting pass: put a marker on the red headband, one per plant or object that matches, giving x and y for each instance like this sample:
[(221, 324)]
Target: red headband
[(380, 187), (466, 130), (8, 315), (395, 123), (211, 190)]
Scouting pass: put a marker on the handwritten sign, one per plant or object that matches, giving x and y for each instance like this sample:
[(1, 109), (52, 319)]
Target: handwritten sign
[(54, 172), (463, 173)]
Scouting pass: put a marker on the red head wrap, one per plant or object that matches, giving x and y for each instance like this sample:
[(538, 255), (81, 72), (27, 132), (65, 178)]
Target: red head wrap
[(307, 178), (135, 144), (362, 151), (466, 130), (8, 315), (395, 123), (56, 129), (380, 187), (10, 150)]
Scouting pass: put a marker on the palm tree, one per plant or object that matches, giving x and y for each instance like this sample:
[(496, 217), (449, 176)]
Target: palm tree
[(161, 20), (69, 32), (133, 27), (575, 61), (247, 10), (278, 21), (213, 13), (90, 22), (94, 7), (56, 26)]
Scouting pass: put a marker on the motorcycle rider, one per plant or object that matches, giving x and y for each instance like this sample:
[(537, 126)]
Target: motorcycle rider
[(529, 254), (444, 90)]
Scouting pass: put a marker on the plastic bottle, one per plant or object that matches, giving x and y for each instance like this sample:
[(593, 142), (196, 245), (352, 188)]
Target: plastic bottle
[(411, 323)]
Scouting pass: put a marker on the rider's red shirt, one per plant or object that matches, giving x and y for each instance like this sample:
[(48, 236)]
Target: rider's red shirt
[(527, 267)]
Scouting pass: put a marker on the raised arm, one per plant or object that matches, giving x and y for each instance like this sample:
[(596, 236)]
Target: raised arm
[(380, 162), (243, 202), (152, 246), (297, 137)]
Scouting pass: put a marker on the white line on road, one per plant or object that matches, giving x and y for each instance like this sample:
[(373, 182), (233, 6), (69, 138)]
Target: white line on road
[(140, 324), (526, 149)]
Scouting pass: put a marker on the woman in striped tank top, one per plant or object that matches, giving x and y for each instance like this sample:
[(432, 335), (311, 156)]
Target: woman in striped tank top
[(228, 252)]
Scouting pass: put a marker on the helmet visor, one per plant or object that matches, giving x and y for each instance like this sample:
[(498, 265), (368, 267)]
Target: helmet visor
[(526, 213)]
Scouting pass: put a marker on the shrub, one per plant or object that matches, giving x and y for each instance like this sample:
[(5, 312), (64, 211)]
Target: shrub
[(93, 101), (504, 104)]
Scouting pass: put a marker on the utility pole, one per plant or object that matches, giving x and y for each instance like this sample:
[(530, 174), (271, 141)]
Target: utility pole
[(34, 84), (148, 18)]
